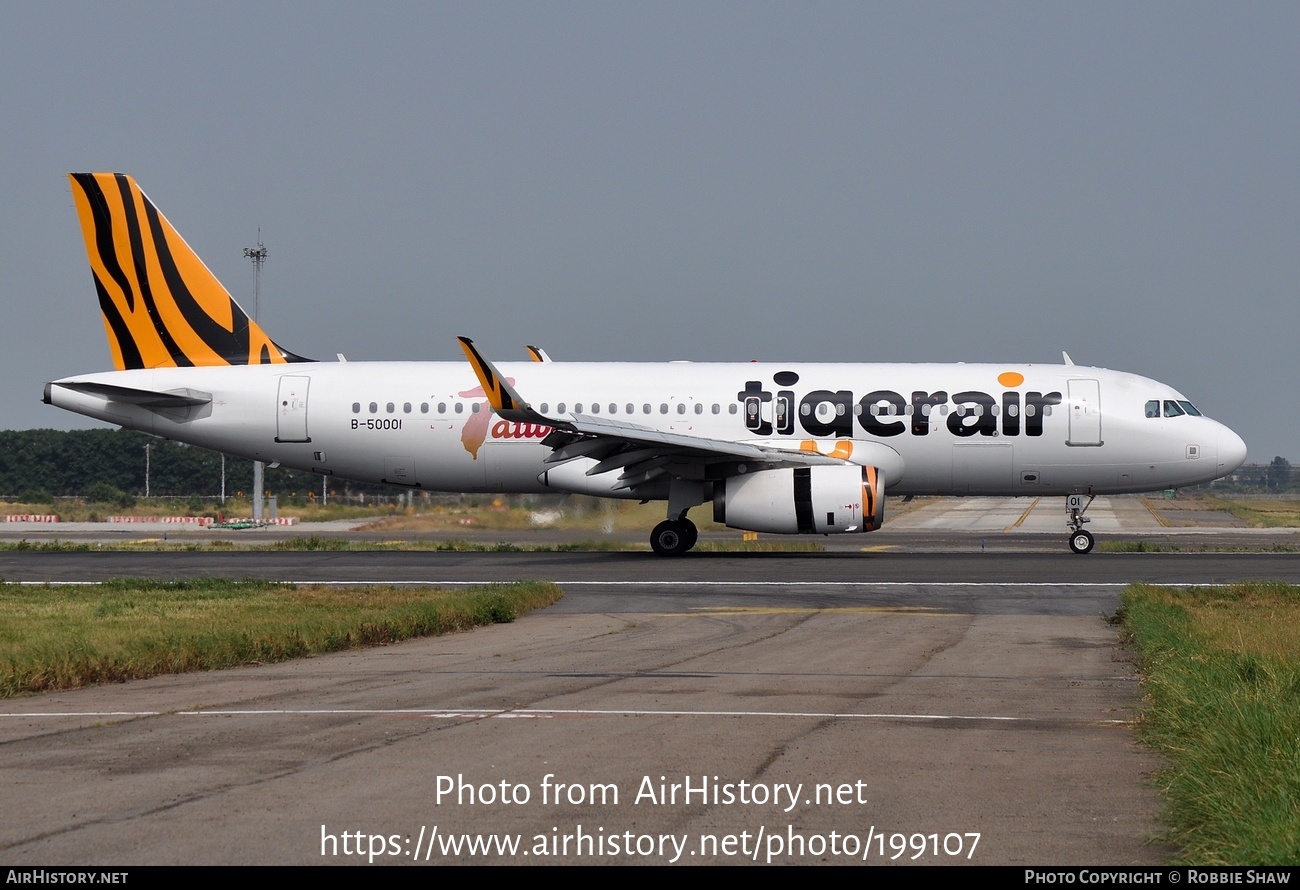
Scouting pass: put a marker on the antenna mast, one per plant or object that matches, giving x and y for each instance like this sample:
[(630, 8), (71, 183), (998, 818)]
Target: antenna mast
[(258, 256)]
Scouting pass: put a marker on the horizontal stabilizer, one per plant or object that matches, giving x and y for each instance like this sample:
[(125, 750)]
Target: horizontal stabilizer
[(146, 398)]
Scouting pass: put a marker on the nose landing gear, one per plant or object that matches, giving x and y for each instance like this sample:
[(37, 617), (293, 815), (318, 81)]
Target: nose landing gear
[(1080, 541)]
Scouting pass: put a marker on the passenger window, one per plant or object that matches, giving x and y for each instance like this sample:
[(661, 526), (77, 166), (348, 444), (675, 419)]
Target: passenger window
[(356, 407), (645, 409), (424, 407), (663, 408), (374, 407), (406, 408), (459, 407), (577, 408), (475, 407), (681, 407), (595, 407), (560, 408), (442, 407), (699, 407), (542, 407), (717, 409), (391, 408), (731, 409)]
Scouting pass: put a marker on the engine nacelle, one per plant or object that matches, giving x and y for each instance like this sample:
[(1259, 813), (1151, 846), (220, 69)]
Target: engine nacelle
[(823, 500)]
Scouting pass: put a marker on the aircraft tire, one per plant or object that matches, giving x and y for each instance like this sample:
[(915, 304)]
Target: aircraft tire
[(671, 538), (692, 533), (1081, 542)]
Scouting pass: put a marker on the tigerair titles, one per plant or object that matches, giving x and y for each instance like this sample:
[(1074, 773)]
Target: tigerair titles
[(885, 412)]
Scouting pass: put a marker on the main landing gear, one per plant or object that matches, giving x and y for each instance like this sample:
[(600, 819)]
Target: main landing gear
[(677, 534), (673, 537), (1080, 541)]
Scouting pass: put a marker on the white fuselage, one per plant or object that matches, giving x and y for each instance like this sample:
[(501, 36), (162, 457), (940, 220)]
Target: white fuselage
[(931, 428)]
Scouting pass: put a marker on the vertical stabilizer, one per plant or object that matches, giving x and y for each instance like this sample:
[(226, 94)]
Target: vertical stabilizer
[(161, 305)]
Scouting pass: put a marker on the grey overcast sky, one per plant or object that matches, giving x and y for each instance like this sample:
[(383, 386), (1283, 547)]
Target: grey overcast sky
[(813, 181)]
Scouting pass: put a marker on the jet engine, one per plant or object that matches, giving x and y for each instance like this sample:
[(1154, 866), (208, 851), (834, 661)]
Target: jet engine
[(802, 500)]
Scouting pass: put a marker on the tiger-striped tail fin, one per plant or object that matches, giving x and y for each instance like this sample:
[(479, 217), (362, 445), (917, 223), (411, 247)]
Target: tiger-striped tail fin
[(161, 305)]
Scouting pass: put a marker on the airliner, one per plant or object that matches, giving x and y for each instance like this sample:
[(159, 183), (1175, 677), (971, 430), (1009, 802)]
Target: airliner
[(784, 447)]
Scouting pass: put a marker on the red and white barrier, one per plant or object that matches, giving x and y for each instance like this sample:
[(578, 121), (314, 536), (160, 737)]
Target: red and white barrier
[(31, 517), (179, 520)]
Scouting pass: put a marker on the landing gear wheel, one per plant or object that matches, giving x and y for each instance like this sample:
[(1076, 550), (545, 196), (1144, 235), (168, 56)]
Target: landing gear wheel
[(692, 533), (1081, 541), (672, 537)]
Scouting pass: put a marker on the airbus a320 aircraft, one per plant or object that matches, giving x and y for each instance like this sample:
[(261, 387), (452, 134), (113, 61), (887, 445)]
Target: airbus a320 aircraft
[(789, 448)]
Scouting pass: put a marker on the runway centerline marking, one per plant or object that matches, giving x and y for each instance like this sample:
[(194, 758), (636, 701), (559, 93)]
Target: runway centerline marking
[(515, 713)]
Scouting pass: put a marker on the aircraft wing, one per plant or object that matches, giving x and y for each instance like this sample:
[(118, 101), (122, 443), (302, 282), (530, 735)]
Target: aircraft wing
[(640, 452)]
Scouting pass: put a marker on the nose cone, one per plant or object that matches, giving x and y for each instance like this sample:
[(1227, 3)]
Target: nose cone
[(1231, 451)]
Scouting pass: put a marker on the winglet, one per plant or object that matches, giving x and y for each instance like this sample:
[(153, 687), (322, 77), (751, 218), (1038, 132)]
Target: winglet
[(537, 354), (1066, 357), (500, 394)]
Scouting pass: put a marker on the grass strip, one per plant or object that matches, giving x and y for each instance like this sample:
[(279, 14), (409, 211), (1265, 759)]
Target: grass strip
[(1222, 679), (58, 637)]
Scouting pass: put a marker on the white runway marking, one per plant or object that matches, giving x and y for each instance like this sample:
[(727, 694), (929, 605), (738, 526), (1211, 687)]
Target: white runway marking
[(535, 713)]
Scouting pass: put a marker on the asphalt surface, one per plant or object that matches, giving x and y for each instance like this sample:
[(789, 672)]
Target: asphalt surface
[(926, 695)]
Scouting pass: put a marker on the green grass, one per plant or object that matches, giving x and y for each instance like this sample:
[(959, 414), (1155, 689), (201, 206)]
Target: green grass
[(1261, 512), (1113, 546), (1135, 547), (57, 637), (1222, 677)]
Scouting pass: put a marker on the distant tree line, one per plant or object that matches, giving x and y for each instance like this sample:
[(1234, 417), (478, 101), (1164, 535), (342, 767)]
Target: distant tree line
[(109, 465), (106, 465), (1273, 477)]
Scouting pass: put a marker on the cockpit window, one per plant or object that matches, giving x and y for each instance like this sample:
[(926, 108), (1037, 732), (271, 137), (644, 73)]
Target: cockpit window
[(1153, 408), (1172, 409), (1189, 408)]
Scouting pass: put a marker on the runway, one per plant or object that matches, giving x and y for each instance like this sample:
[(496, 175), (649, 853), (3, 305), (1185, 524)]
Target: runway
[(839, 707)]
